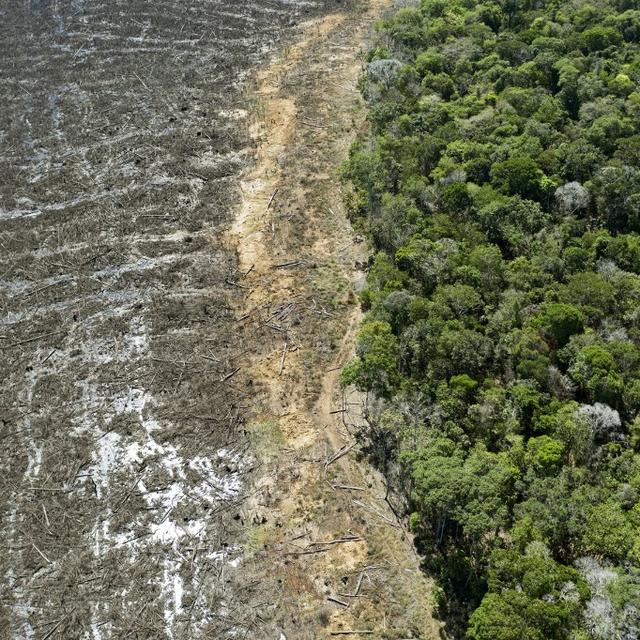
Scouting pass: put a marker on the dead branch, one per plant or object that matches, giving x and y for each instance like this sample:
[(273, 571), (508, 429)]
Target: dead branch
[(338, 540), (284, 355), (52, 630), (229, 375), (337, 601), (282, 313), (41, 554), (43, 361), (339, 454), (377, 513), (305, 553), (291, 263), (249, 270), (275, 327), (313, 124), (357, 589), (44, 335), (348, 487), (231, 283), (273, 195)]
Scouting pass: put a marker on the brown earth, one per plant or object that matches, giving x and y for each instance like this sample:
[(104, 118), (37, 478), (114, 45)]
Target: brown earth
[(322, 545)]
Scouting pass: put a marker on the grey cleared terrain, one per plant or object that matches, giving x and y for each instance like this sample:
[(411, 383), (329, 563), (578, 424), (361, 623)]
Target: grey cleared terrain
[(122, 455)]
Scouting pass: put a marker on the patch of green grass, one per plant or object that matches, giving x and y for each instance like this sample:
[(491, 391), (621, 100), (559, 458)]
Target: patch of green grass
[(267, 438), (258, 537)]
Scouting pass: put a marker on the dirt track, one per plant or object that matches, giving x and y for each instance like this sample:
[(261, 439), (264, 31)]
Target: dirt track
[(321, 541)]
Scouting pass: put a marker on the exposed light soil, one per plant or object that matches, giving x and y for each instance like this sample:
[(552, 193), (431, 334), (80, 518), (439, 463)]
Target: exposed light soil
[(321, 543)]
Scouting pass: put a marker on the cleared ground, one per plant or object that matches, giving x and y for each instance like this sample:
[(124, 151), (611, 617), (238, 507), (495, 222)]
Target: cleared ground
[(123, 453), (324, 552)]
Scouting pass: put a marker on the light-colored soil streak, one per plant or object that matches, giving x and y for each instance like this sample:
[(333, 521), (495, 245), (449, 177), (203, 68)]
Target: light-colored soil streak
[(321, 541)]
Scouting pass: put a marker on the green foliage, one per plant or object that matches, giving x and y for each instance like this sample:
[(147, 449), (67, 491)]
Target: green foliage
[(530, 596), (599, 38), (559, 322), (590, 292), (617, 196), (500, 184), (594, 369), (544, 455), (375, 368), (517, 176), (609, 532), (463, 384)]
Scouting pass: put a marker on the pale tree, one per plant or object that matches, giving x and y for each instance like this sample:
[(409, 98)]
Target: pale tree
[(572, 197), (604, 421)]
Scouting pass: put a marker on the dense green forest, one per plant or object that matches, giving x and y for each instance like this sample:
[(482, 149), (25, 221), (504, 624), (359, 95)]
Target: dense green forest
[(500, 185)]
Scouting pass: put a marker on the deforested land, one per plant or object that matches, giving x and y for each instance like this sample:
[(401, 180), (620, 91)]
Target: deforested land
[(178, 299)]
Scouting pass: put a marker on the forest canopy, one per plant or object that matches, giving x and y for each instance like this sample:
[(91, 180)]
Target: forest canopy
[(500, 185)]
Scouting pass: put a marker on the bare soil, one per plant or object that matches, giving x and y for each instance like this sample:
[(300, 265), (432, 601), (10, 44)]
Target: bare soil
[(122, 136), (322, 544)]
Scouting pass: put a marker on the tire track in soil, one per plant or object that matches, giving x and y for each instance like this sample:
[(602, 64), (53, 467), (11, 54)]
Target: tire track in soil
[(322, 546)]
